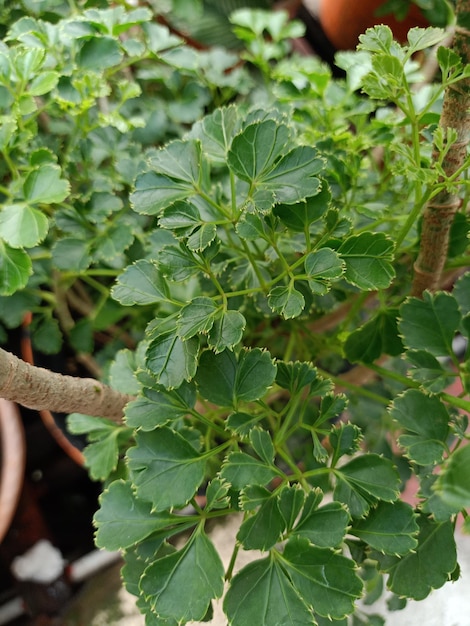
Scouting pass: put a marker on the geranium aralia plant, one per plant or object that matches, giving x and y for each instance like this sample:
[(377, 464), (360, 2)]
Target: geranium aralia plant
[(297, 344)]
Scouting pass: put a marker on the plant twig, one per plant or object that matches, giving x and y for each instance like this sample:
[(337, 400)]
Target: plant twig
[(440, 211), (38, 389)]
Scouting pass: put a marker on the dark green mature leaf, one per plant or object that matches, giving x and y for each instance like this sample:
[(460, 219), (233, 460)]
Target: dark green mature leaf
[(428, 371), (368, 259), (177, 263), (180, 586), (430, 323), (226, 331), (15, 269), (165, 469), (453, 484), (172, 360), (202, 237), (390, 527), (196, 317), (294, 376), (426, 421), (299, 216), (179, 160), (291, 500), (321, 267), (215, 132), (123, 519), (241, 469), (376, 337), (286, 300), (255, 150), (262, 594), (140, 283), (244, 379), (45, 185), (461, 293), (325, 526), (102, 456), (326, 580), (154, 192), (22, 225), (364, 480), (99, 53), (428, 567), (160, 406), (263, 530), (72, 254), (262, 444), (181, 217)]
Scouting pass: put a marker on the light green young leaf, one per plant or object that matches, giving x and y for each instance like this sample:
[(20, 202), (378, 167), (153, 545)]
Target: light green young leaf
[(180, 586), (172, 360), (262, 594), (426, 421), (43, 83), (453, 484), (368, 259), (165, 469), (15, 269), (427, 567), (422, 38), (140, 283), (390, 527), (226, 331), (430, 323), (122, 372), (45, 185), (123, 520), (327, 581), (23, 226), (286, 300)]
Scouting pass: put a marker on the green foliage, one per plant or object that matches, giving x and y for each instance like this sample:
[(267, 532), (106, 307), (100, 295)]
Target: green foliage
[(227, 227)]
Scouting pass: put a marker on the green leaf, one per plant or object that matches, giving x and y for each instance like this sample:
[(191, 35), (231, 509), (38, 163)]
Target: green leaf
[(180, 586), (426, 421), (287, 301), (99, 53), (453, 484), (262, 594), (326, 581), (262, 530), (43, 83), (160, 406), (422, 38), (45, 185), (299, 216), (390, 527), (461, 293), (71, 254), (181, 217), (46, 335), (427, 567), (123, 519), (226, 331), (255, 150), (165, 469), (196, 317), (430, 323), (291, 500), (154, 192), (325, 526), (345, 438), (244, 379), (295, 376), (368, 259), (364, 480), (140, 283), (15, 269), (23, 226), (177, 263), (262, 444), (241, 469), (321, 267), (202, 237), (172, 360), (376, 337), (215, 132), (179, 160), (122, 372), (428, 371)]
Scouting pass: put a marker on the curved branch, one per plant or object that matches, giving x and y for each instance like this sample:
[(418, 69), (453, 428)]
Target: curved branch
[(37, 388)]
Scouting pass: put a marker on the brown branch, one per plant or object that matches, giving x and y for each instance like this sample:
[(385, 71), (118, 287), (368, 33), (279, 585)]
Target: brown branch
[(440, 212), (38, 389)]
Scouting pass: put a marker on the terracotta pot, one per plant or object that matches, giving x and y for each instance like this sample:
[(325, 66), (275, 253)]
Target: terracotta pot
[(12, 462), (344, 20)]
